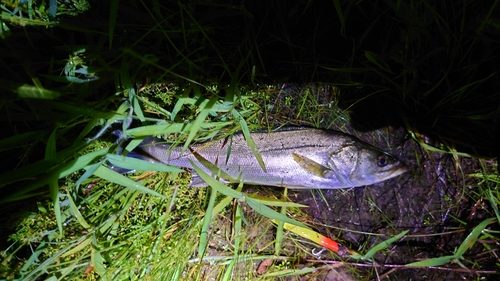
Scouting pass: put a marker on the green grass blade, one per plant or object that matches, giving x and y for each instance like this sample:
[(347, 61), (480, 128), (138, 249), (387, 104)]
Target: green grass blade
[(493, 203), (270, 213), (130, 90), (120, 179), (340, 14), (59, 172), (238, 222), (206, 108), (206, 225), (50, 148), (113, 15), (75, 212), (279, 230), (221, 205), (291, 272), (79, 246), (152, 130), (275, 203), (213, 168), (88, 173), (54, 195), (96, 258), (87, 111), (181, 101), (248, 138), (132, 145), (33, 92), (162, 129), (131, 163), (34, 256), (21, 138), (217, 185), (379, 247), (432, 262), (472, 238), (94, 122), (254, 204)]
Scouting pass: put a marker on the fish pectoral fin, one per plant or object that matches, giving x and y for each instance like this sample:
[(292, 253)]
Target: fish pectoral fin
[(311, 166)]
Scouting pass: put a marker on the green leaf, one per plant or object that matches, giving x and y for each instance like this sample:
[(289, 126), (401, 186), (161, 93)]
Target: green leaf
[(89, 172), (33, 92), (205, 107), (493, 203), (33, 259), (472, 238), (80, 245), (254, 204), (248, 138), (21, 138), (54, 195), (432, 262), (152, 130), (274, 202), (222, 205), (270, 213), (206, 225), (120, 179), (338, 9), (132, 145), (379, 247), (75, 212), (183, 99), (50, 148), (217, 185), (131, 163), (291, 272), (113, 15), (97, 261)]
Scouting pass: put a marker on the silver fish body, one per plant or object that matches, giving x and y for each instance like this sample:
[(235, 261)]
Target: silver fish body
[(293, 158)]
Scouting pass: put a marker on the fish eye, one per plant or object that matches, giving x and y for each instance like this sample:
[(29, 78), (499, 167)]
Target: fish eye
[(382, 160)]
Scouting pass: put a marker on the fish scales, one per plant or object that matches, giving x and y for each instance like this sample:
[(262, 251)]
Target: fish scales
[(293, 158)]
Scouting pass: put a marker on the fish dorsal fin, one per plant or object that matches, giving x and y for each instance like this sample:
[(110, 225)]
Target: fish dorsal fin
[(311, 166)]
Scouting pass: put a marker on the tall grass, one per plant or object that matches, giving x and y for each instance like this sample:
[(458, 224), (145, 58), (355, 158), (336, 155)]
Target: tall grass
[(195, 71)]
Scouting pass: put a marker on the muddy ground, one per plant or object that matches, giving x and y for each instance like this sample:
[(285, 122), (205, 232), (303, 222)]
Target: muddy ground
[(435, 197)]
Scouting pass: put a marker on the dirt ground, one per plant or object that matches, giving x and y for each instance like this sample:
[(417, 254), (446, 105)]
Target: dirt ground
[(434, 197)]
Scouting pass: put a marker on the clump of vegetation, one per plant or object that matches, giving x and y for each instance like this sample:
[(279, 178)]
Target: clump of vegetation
[(194, 71)]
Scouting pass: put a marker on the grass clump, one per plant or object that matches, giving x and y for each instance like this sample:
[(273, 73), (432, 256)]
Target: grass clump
[(196, 71), (112, 232)]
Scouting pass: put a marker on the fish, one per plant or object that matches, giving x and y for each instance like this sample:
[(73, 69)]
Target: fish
[(297, 158)]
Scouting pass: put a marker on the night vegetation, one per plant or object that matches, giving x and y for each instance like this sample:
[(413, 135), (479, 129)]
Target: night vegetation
[(82, 80)]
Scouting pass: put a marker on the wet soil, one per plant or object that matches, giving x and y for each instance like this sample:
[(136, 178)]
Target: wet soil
[(435, 200)]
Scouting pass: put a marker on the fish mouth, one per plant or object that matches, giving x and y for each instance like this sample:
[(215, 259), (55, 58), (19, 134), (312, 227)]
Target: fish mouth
[(398, 170)]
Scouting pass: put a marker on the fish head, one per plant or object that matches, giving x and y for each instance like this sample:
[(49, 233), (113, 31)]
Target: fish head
[(359, 164)]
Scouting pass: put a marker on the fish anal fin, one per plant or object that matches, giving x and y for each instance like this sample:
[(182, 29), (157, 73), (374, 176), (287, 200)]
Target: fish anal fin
[(311, 166)]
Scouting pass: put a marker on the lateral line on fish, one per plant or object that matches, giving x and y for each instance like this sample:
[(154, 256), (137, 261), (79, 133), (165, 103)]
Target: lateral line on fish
[(295, 147)]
